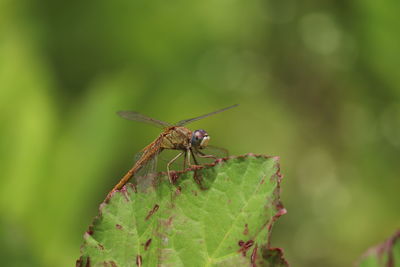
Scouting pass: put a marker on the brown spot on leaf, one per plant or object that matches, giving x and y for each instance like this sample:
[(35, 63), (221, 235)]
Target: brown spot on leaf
[(254, 256), (79, 262), (262, 180), (173, 176), (168, 222), (118, 226), (147, 244), (246, 229), (155, 208), (139, 261), (244, 246), (100, 246), (90, 230), (197, 178), (178, 190), (109, 264), (124, 192)]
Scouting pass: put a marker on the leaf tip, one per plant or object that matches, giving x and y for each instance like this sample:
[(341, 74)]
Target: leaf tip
[(384, 253)]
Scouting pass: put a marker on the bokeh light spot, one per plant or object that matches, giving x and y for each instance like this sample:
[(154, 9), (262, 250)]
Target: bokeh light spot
[(320, 33)]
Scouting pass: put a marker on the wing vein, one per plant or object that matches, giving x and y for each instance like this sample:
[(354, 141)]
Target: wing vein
[(136, 116), (184, 122)]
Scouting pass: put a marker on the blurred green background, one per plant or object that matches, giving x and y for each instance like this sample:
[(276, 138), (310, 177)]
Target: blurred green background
[(317, 81)]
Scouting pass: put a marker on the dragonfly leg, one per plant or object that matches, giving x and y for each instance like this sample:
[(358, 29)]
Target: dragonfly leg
[(194, 157), (169, 163), (197, 177), (185, 160), (189, 152), (202, 155)]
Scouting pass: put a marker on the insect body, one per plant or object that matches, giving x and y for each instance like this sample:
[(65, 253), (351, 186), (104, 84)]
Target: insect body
[(176, 137)]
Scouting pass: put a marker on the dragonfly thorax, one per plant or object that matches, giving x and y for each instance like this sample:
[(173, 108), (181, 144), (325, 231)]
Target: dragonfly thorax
[(175, 137), (199, 139)]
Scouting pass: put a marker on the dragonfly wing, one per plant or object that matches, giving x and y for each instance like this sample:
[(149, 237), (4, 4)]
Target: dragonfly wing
[(136, 116), (184, 122), (216, 151), (145, 176), (147, 173)]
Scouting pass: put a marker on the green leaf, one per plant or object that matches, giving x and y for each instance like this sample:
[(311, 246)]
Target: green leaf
[(218, 215), (386, 254)]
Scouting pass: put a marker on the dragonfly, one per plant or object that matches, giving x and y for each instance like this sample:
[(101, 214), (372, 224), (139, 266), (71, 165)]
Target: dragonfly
[(174, 136)]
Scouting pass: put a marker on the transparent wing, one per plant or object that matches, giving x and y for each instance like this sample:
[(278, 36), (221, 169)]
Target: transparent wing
[(136, 116), (219, 152), (184, 122), (145, 177), (167, 155)]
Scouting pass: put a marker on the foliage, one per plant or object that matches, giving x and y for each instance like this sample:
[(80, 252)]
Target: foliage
[(219, 215), (386, 254)]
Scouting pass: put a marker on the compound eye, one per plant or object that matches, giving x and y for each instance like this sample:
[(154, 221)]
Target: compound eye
[(198, 134), (204, 141), (198, 137)]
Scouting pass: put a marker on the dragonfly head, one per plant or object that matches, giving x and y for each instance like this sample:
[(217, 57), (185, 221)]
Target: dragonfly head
[(199, 139)]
